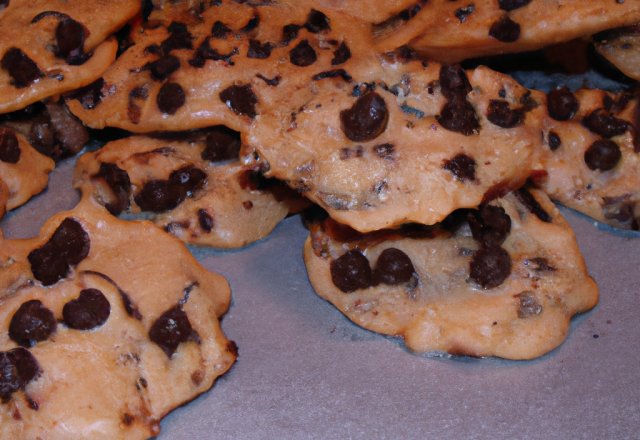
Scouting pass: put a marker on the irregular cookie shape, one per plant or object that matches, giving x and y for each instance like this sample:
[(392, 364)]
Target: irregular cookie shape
[(426, 284), (124, 307), (50, 47), (622, 48), (196, 187), (453, 31), (23, 171), (221, 65), (592, 154), (402, 142)]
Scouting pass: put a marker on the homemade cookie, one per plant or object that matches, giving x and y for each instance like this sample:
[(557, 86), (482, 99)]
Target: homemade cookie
[(23, 171), (195, 187), (622, 48), (221, 65), (591, 154), (500, 281), (401, 140), (49, 47), (99, 303), (453, 31)]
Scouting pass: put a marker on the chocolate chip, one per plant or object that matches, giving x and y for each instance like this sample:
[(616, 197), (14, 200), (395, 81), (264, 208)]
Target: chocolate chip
[(510, 5), (500, 114), (153, 49), (247, 204), (462, 167), (602, 124), (22, 69), (505, 30), (366, 119), (303, 54), (462, 13), (490, 225), (90, 310), (553, 141), (70, 36), (240, 99), (490, 266), (164, 195), (162, 68), (205, 221), (129, 306), (4, 4), (91, 95), (542, 264), (341, 54), (205, 52), (171, 329), (32, 323), (222, 144), (180, 38), (66, 248), (459, 115), (170, 98), (270, 82), (9, 146), (384, 151), (351, 272), (453, 81), (603, 155), (393, 267), (530, 202), (259, 50), (18, 367), (42, 135), (177, 27), (332, 74), (220, 30), (317, 22), (290, 33), (251, 24), (561, 104), (528, 305)]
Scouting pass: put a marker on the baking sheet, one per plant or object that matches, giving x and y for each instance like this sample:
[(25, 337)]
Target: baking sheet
[(305, 371)]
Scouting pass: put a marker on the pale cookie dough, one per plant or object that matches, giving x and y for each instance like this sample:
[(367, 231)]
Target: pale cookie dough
[(23, 171), (403, 141), (104, 342), (622, 48), (50, 47), (223, 65), (507, 289), (592, 154), (196, 188)]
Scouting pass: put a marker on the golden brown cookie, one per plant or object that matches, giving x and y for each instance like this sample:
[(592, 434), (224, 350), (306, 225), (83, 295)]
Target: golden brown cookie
[(223, 65), (592, 154), (402, 141), (500, 281), (194, 187), (23, 170), (50, 47), (622, 48), (108, 326)]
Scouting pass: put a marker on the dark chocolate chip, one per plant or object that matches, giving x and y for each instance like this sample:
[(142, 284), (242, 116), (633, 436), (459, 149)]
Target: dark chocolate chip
[(222, 144), (153, 49), (490, 266), (129, 306), (32, 323), (499, 113), (162, 68), (66, 248), (541, 264), (4, 4), (205, 221), (528, 305), (159, 196), (189, 178), (220, 30), (251, 24), (205, 52), (351, 272), (90, 95), (70, 37), (177, 27), (600, 123), (505, 30), (459, 115), (603, 155), (553, 140), (490, 225), (384, 151), (290, 33), (259, 50), (303, 54), (561, 104), (9, 146), (180, 38), (453, 81), (510, 5), (42, 134), (332, 74), (270, 82), (18, 367), (90, 310), (22, 69), (170, 98), (341, 54), (366, 119), (240, 99), (171, 329), (393, 267), (532, 205), (317, 22), (462, 167), (462, 13)]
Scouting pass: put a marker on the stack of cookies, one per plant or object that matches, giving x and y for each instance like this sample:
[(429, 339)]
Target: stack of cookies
[(426, 187)]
